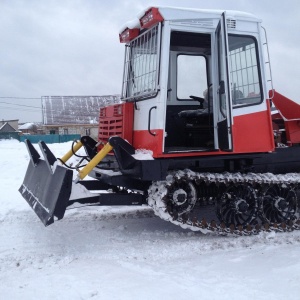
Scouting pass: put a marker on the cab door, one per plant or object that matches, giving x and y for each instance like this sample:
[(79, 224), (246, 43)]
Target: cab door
[(224, 115)]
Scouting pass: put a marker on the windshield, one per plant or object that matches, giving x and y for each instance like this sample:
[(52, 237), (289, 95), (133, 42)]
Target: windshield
[(141, 66)]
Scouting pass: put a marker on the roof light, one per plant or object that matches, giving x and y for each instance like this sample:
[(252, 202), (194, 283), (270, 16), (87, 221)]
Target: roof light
[(128, 34), (151, 17)]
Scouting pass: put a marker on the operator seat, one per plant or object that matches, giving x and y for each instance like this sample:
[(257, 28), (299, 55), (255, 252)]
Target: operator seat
[(205, 107), (193, 113)]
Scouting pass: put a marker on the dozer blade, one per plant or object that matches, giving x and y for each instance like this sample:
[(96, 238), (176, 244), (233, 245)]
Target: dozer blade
[(46, 187)]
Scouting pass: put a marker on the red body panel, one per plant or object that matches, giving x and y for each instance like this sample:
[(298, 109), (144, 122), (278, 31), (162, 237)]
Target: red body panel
[(292, 131), (290, 114), (289, 109), (116, 120), (253, 133), (142, 139), (150, 18), (128, 34)]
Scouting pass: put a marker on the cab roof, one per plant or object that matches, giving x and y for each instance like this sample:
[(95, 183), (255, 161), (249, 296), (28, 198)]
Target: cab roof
[(181, 13)]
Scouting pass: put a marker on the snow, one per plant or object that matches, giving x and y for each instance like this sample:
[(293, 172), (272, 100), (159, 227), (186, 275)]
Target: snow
[(129, 253), (143, 154), (27, 126), (130, 24), (169, 13), (79, 191)]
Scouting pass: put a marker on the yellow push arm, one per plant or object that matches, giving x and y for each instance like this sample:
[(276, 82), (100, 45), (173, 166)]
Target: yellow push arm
[(70, 153), (94, 162)]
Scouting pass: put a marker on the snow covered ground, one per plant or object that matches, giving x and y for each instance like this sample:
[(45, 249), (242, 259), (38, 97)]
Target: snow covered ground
[(128, 253)]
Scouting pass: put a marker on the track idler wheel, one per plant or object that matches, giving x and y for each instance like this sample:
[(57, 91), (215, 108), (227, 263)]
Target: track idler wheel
[(237, 206), (279, 204), (181, 198)]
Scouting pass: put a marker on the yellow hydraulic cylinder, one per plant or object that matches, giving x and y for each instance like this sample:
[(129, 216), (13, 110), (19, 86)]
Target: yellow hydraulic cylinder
[(94, 162), (70, 153)]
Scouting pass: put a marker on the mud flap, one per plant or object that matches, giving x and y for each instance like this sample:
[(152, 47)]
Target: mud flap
[(47, 186)]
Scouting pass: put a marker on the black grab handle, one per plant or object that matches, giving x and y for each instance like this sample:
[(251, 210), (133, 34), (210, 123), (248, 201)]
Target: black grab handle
[(149, 120)]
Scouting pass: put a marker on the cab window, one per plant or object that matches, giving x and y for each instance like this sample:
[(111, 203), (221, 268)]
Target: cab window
[(191, 76), (244, 71)]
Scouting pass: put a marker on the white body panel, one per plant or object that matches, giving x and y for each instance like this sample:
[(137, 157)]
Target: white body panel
[(193, 20)]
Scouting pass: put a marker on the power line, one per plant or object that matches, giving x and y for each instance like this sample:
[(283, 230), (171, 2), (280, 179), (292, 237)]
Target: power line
[(19, 98), (20, 105), (19, 109), (55, 112)]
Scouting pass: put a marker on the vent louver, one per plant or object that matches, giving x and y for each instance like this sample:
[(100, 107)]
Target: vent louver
[(231, 23)]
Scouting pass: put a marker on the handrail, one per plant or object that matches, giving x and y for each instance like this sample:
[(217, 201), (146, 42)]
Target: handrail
[(149, 120), (269, 63)]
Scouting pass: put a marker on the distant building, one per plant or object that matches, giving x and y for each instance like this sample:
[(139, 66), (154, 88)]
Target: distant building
[(28, 128), (13, 123), (82, 129), (8, 130), (74, 114), (6, 127)]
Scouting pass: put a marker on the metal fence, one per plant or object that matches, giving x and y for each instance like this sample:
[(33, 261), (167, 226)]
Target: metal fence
[(47, 138), (50, 138), (9, 135)]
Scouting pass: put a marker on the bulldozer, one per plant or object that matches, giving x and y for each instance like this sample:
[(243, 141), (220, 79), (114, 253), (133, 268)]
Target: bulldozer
[(200, 135)]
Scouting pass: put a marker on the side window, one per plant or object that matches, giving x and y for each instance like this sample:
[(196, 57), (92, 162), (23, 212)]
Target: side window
[(191, 76), (244, 71)]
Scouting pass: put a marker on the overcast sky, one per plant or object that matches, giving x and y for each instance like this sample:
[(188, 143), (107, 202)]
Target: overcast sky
[(71, 47)]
